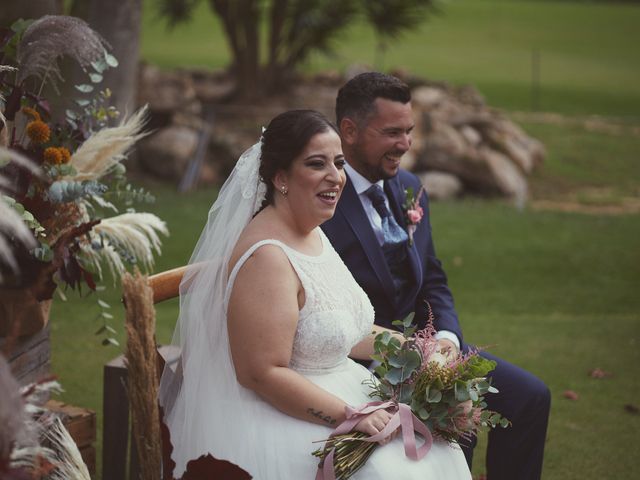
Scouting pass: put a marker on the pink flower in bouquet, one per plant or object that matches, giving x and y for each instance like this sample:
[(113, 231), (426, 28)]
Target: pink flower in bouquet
[(468, 417), (415, 215)]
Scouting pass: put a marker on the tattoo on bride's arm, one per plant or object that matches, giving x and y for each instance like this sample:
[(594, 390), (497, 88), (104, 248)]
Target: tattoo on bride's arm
[(319, 414)]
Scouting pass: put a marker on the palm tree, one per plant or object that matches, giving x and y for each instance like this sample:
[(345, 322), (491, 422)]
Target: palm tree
[(296, 28), (392, 18)]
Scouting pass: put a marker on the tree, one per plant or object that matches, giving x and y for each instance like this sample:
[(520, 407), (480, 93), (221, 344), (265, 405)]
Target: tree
[(121, 29), (391, 18), (296, 28), (14, 10)]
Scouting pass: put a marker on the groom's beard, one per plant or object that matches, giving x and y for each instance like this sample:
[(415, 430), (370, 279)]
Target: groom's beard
[(372, 171)]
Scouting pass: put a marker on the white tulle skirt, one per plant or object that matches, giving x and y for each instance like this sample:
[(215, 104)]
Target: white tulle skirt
[(271, 445)]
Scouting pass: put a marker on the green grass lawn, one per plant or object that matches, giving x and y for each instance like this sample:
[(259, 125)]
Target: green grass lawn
[(578, 160), (556, 293)]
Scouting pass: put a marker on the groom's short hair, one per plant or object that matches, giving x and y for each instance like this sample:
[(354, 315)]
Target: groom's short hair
[(356, 98)]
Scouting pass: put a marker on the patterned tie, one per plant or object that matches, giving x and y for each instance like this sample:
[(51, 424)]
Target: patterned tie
[(393, 233)]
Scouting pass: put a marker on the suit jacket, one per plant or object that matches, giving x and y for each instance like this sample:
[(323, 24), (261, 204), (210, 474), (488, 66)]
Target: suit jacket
[(352, 235)]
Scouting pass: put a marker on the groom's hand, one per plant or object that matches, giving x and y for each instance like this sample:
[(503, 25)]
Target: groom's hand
[(447, 348)]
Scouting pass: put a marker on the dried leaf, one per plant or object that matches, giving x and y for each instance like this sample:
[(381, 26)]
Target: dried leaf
[(570, 395), (630, 408), (599, 373)]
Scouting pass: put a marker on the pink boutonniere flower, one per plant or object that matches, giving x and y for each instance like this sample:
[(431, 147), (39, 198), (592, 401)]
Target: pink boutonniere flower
[(413, 212)]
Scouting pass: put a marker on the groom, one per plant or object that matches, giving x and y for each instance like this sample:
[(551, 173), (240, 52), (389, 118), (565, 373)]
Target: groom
[(391, 254)]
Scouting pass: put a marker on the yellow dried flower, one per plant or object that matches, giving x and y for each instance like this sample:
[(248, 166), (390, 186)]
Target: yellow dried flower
[(66, 154), (31, 112), (53, 156), (38, 131)]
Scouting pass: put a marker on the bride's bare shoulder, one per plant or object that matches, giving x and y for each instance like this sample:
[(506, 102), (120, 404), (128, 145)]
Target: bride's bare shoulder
[(254, 233)]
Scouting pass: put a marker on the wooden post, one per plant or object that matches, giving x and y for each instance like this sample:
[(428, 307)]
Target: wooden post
[(116, 430), (29, 357), (535, 80), (115, 411)]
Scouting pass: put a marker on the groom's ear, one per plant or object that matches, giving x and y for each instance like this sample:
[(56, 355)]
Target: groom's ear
[(348, 131)]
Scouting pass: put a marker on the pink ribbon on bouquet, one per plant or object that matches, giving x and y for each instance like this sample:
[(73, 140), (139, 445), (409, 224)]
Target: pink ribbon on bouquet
[(403, 418)]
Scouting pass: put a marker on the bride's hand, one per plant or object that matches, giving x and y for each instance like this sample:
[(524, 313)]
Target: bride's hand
[(374, 423)]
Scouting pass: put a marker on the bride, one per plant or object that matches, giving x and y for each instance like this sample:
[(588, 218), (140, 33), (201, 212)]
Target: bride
[(269, 315)]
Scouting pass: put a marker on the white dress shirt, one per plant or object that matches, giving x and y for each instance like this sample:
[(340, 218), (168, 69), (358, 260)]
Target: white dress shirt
[(361, 186)]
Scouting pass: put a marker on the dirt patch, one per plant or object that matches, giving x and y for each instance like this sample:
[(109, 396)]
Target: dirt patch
[(592, 123), (625, 206)]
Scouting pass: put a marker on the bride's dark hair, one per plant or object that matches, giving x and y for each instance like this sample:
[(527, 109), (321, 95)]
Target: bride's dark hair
[(284, 139)]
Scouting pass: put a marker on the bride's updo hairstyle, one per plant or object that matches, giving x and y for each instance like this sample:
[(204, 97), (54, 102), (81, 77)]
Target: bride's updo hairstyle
[(284, 139)]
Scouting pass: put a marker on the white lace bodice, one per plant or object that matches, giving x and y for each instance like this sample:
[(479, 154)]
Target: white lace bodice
[(336, 315)]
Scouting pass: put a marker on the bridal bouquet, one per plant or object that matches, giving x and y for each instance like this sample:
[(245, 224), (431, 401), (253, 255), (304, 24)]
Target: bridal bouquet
[(435, 394)]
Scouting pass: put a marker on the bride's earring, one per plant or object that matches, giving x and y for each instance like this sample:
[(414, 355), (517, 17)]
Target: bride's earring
[(284, 191)]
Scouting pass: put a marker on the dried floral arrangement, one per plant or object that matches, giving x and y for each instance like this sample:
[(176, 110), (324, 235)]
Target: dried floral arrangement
[(73, 203), (27, 426)]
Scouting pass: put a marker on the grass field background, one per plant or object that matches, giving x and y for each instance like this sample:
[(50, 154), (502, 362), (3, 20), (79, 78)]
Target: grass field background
[(556, 293), (588, 51)]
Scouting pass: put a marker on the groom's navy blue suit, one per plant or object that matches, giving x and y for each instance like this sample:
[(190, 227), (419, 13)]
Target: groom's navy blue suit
[(514, 453)]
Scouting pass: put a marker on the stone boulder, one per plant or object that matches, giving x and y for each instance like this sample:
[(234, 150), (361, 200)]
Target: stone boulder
[(460, 145), (460, 135), (167, 152), (166, 92), (440, 185)]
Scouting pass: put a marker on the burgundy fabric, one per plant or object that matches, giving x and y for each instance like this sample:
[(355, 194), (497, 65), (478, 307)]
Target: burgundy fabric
[(203, 468)]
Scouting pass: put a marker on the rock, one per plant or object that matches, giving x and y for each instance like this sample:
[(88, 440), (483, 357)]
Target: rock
[(471, 135), (509, 179), (165, 91), (441, 185), (468, 166), (408, 161), (461, 136), (427, 97), (166, 153), (446, 138), (209, 175), (210, 87), (507, 138), (475, 147), (469, 95), (355, 69)]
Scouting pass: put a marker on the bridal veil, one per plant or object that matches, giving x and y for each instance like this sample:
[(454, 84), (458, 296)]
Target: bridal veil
[(199, 393)]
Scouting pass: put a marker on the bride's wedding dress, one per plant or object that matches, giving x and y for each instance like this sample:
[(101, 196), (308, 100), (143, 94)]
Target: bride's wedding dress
[(271, 445)]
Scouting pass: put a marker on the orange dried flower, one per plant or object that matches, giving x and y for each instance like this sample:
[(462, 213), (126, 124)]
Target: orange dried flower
[(38, 131), (66, 154), (53, 156), (31, 112)]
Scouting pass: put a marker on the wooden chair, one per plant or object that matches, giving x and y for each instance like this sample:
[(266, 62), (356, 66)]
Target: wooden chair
[(116, 437)]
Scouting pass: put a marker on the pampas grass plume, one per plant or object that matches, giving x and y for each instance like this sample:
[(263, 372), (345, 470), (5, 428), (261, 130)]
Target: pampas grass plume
[(137, 233), (141, 356), (11, 225), (52, 37), (68, 461), (106, 147)]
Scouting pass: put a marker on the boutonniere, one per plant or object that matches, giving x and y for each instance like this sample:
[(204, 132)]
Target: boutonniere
[(412, 211)]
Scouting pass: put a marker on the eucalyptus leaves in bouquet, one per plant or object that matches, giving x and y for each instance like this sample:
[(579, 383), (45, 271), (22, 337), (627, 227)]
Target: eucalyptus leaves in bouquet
[(445, 392), (79, 207)]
